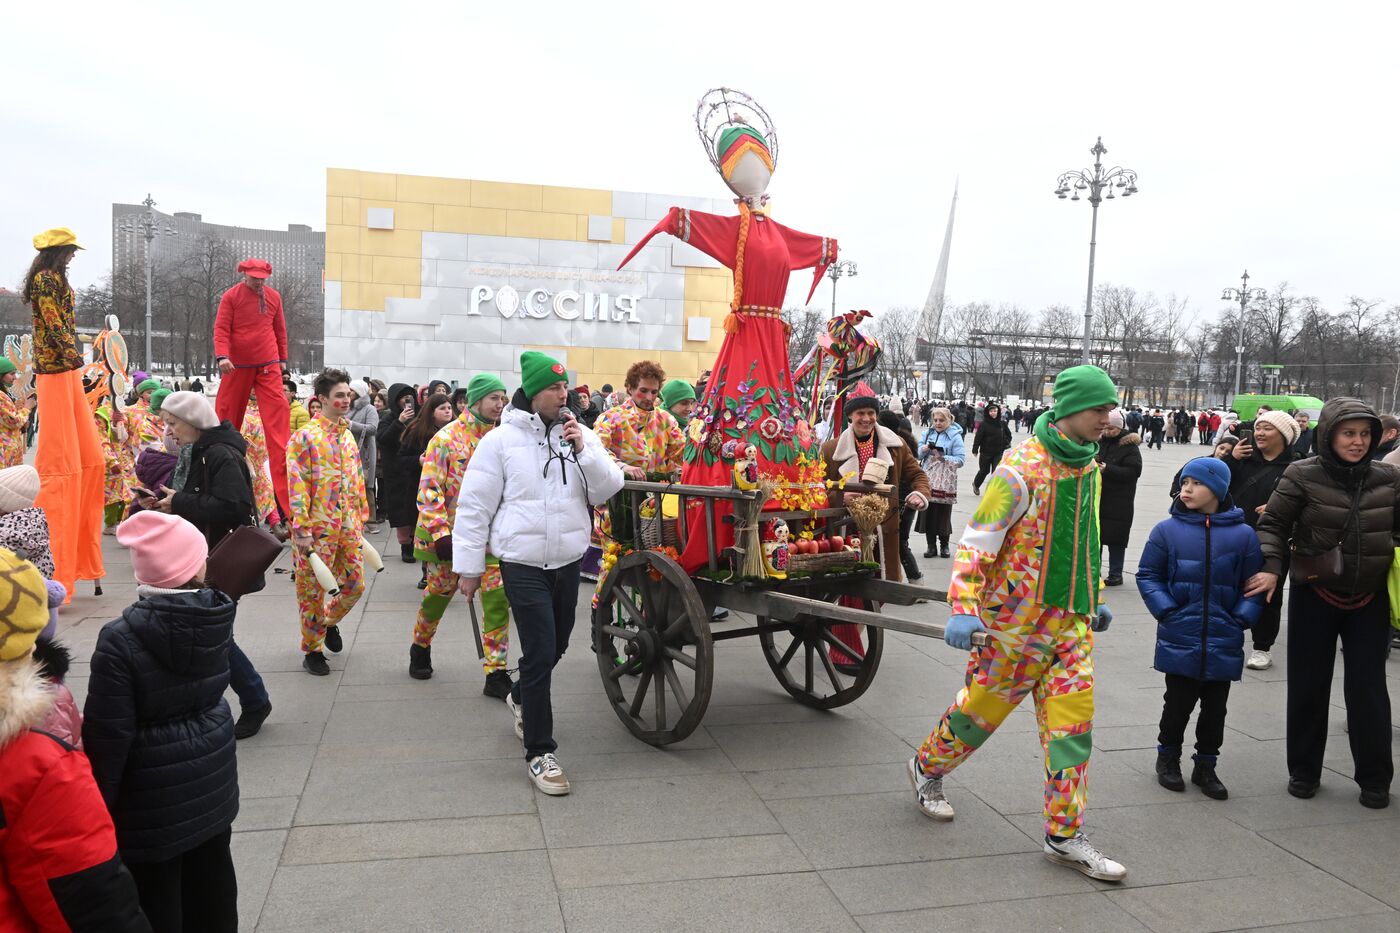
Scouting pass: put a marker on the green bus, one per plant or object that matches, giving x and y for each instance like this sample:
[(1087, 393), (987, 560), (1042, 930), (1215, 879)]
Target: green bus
[(1247, 406)]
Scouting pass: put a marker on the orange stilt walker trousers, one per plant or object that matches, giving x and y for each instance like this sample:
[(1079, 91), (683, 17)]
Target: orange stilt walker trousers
[(72, 469)]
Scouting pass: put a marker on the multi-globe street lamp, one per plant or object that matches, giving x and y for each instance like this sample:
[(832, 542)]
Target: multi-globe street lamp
[(1095, 180), (1244, 295), (835, 271), (150, 228)]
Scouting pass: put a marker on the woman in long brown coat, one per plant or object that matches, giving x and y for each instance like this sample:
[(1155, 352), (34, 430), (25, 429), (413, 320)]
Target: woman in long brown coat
[(849, 451)]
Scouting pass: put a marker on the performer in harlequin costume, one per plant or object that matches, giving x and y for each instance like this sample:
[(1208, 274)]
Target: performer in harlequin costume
[(328, 512), (144, 428), (1027, 573), (641, 437), (120, 474), (263, 496), (250, 341), (749, 398), (444, 464), (14, 417), (69, 455)]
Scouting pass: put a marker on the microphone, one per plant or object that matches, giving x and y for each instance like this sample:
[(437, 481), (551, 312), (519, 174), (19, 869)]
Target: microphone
[(566, 446)]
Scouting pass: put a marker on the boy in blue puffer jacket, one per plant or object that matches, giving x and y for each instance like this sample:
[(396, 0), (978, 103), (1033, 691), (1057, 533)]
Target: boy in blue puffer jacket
[(1192, 577)]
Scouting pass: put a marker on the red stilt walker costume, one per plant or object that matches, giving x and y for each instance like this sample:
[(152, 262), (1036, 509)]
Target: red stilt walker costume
[(749, 398), (250, 341)]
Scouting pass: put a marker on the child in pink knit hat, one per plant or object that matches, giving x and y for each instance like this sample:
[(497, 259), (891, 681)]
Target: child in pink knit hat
[(163, 751)]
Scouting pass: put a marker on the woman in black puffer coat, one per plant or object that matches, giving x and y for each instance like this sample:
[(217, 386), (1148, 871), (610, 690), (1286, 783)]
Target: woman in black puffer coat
[(394, 495), (159, 733), (1120, 459), (1343, 496), (989, 443), (401, 446)]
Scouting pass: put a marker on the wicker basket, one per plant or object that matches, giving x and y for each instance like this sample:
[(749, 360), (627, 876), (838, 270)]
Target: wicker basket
[(659, 532), (815, 563)]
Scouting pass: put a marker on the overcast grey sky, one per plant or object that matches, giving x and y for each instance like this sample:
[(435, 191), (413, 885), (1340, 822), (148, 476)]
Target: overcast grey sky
[(1264, 134)]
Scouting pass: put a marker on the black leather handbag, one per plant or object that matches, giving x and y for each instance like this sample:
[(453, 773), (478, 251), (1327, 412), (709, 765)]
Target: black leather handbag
[(1324, 569), (237, 564)]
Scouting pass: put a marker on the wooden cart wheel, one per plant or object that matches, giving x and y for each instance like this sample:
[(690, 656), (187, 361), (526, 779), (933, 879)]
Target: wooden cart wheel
[(652, 637), (799, 652)]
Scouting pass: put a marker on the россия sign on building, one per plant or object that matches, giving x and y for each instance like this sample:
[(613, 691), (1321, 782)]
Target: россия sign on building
[(444, 278)]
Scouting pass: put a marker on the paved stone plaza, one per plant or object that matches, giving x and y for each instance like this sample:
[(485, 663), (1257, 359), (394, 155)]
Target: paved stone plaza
[(374, 802)]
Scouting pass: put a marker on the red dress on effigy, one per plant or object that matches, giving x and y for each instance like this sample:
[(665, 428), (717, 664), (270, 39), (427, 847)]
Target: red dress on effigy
[(749, 398)]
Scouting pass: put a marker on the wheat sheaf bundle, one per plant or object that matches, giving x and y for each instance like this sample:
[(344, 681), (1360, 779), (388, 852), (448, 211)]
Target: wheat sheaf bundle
[(748, 538), (868, 512)]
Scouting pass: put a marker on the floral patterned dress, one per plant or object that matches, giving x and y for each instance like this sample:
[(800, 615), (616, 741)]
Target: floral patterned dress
[(749, 398), (121, 464), (14, 418)]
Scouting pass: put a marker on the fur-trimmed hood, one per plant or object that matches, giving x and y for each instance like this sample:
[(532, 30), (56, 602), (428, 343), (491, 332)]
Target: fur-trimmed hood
[(1127, 438), (25, 698), (845, 451)]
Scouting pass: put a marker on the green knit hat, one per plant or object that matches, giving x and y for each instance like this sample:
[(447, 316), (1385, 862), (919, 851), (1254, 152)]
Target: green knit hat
[(147, 386), (676, 390), (1083, 387), (158, 396), (482, 385), (7, 366), (538, 372)]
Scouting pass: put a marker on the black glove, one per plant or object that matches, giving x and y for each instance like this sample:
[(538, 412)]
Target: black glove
[(443, 548)]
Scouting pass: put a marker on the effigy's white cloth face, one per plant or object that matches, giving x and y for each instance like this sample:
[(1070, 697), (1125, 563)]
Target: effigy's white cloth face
[(750, 177)]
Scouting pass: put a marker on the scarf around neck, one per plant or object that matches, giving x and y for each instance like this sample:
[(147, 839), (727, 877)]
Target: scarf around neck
[(1060, 446)]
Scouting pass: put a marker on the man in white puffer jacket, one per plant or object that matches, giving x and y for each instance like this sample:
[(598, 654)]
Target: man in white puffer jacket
[(528, 495)]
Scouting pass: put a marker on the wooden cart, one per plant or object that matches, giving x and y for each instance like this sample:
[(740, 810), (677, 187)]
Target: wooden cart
[(654, 640)]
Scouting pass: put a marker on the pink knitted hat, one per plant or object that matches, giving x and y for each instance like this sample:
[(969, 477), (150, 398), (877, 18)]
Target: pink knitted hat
[(166, 550)]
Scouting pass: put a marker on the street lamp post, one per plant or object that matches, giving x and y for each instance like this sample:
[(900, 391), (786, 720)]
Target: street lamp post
[(834, 272), (1094, 181), (150, 229), (1244, 294)]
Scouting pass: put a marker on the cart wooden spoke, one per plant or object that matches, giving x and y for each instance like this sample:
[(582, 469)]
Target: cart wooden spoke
[(651, 633)]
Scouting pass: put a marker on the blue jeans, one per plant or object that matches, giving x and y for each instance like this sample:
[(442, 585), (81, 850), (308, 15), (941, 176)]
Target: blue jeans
[(543, 603), (244, 679)]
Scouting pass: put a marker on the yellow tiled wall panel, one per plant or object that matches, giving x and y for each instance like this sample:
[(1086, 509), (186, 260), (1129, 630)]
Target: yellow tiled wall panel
[(542, 226), (575, 200), (342, 182), (428, 190), (372, 295), (619, 230), (508, 196), (449, 218), (350, 294), (397, 271), (405, 243), (413, 215), (333, 210), (613, 362), (342, 238), (702, 287), (333, 266), (380, 185), (581, 359)]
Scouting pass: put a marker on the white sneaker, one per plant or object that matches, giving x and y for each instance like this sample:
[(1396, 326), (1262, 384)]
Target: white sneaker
[(1259, 661), (928, 793), (1078, 853), (519, 721), (548, 776)]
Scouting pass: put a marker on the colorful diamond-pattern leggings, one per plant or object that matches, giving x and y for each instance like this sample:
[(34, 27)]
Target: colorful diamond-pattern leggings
[(1050, 657), (346, 563), (495, 621)]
